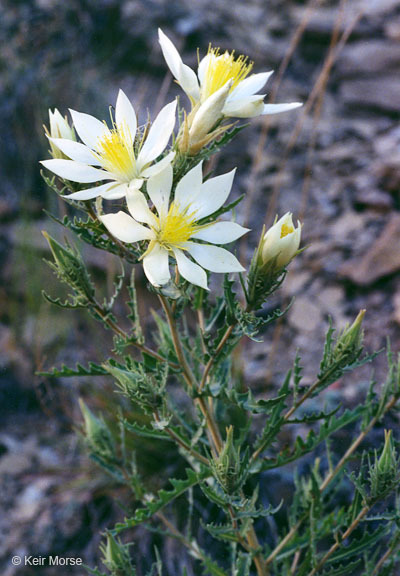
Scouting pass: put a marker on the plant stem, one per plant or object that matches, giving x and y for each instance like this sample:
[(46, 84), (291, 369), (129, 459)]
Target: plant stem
[(215, 436), (211, 361), (182, 443), (115, 328), (340, 541)]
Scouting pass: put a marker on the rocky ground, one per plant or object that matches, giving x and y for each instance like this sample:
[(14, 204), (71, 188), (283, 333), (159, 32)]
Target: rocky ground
[(335, 165)]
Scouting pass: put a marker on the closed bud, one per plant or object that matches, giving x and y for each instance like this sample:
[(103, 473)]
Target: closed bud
[(276, 248), (58, 128), (384, 471), (228, 467), (349, 344), (199, 128), (71, 269), (281, 242), (116, 557), (97, 435)]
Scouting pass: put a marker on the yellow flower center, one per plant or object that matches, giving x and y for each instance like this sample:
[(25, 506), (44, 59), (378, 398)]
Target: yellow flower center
[(176, 227), (286, 229), (224, 67), (115, 153)]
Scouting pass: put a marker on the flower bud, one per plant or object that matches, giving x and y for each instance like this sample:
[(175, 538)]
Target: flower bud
[(197, 130), (71, 269), (384, 472), (349, 343), (98, 436), (116, 557), (59, 128), (281, 242)]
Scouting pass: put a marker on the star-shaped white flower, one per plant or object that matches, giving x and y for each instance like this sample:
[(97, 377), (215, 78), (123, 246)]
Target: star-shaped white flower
[(108, 153), (174, 229), (215, 71)]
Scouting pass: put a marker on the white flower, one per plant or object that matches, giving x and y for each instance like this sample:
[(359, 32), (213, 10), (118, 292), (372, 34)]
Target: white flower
[(58, 128), (214, 72), (174, 229), (112, 150), (282, 240)]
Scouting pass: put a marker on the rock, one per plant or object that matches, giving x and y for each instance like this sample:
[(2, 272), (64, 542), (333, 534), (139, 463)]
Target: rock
[(29, 502), (376, 199), (396, 305), (382, 93), (382, 259), (368, 57), (304, 314), (392, 29)]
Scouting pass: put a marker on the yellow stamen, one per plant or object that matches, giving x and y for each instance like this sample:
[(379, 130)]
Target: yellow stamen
[(222, 68), (116, 154), (176, 228), (286, 229)]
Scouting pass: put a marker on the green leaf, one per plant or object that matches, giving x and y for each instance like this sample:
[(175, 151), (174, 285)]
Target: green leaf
[(223, 532), (358, 545), (145, 431), (349, 568), (65, 372), (134, 312), (243, 565), (164, 497)]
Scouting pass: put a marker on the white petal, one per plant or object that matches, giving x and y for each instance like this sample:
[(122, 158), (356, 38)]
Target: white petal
[(183, 74), (192, 272), (250, 85), (170, 53), (109, 191), (76, 151), (203, 65), (138, 207), (125, 116), (214, 258), (248, 107), (89, 129), (124, 227), (59, 127), (159, 134), (156, 168), (221, 232), (277, 108), (212, 195), (159, 189), (209, 112), (189, 186), (76, 171), (155, 266)]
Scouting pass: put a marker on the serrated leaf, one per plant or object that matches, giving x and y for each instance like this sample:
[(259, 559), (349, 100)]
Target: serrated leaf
[(222, 532), (349, 568), (92, 369), (302, 447), (164, 497), (358, 545)]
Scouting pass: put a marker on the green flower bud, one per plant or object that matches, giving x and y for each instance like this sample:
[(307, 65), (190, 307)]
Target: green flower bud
[(384, 472), (116, 557), (350, 342), (71, 269), (98, 436)]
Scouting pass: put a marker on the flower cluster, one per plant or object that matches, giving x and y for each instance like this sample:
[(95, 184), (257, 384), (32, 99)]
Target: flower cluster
[(171, 215)]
